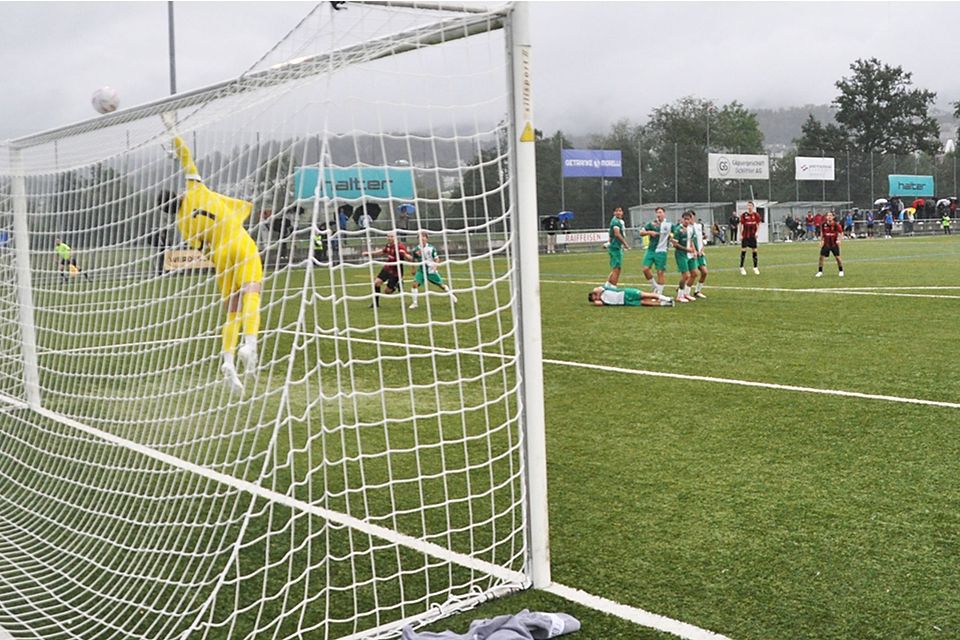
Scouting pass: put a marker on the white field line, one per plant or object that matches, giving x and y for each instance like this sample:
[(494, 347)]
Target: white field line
[(841, 291), (473, 351), (853, 291), (750, 383), (632, 614)]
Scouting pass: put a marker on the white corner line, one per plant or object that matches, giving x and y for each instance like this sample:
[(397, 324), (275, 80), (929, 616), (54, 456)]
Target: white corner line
[(632, 614), (750, 383)]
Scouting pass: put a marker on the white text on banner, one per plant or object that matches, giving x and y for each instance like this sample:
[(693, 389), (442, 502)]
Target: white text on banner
[(738, 166), (815, 168)]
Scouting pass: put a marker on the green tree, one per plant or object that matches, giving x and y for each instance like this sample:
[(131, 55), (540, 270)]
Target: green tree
[(815, 136), (881, 111), (675, 148)]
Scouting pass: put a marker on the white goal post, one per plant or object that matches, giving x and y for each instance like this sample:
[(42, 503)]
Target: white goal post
[(232, 405)]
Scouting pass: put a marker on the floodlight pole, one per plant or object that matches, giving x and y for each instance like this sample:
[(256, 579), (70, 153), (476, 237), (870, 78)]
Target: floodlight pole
[(563, 195), (709, 107), (172, 48)]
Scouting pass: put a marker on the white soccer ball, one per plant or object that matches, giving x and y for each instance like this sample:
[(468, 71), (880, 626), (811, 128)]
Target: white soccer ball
[(105, 100)]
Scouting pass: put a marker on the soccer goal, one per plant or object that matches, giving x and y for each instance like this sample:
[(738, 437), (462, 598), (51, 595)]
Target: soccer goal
[(370, 465)]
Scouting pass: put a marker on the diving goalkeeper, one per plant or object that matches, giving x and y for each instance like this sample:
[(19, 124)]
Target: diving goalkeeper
[(213, 224)]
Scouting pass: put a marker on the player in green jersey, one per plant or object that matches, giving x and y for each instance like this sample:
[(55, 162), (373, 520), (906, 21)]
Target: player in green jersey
[(656, 254), (682, 242), (425, 255), (617, 243), (701, 259)]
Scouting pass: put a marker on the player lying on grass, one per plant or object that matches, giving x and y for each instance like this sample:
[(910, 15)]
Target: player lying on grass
[(213, 223), (391, 273), (67, 262), (425, 255), (610, 296)]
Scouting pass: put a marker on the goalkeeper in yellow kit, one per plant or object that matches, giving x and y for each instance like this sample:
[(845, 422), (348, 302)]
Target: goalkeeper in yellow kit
[(213, 224)]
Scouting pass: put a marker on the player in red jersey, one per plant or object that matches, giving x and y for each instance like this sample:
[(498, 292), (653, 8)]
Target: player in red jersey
[(393, 252), (831, 235), (749, 223)]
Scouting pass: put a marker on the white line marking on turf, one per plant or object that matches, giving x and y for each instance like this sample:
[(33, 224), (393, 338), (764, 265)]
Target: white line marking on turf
[(750, 383), (841, 291), (853, 291), (632, 614)]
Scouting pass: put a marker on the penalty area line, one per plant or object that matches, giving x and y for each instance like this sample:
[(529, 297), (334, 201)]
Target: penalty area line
[(751, 383), (632, 614)]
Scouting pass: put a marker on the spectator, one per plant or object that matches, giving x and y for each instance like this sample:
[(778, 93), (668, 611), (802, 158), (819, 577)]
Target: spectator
[(896, 205), (734, 222), (551, 224), (336, 237), (343, 219), (283, 226), (320, 241), (564, 228), (792, 226), (910, 213), (888, 223), (818, 220), (870, 222), (404, 211), (848, 224), (718, 234), (811, 224)]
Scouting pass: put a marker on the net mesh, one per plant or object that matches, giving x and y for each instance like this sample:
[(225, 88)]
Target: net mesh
[(369, 473)]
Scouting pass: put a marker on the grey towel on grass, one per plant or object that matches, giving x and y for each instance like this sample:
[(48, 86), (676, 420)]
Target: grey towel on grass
[(526, 625)]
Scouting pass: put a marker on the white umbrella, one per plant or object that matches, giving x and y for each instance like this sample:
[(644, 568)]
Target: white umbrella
[(943, 202), (880, 201)]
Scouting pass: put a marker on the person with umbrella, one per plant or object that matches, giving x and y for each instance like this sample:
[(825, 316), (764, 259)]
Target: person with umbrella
[(565, 217), (404, 213)]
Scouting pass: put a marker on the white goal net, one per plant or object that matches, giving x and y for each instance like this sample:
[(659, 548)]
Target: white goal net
[(232, 405)]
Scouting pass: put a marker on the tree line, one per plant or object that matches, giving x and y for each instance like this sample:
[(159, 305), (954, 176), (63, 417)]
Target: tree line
[(883, 125)]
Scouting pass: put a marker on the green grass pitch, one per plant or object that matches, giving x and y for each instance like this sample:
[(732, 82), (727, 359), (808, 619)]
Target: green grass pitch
[(759, 513), (753, 512)]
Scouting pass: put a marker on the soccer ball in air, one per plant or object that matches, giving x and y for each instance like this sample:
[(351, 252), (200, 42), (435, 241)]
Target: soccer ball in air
[(105, 100)]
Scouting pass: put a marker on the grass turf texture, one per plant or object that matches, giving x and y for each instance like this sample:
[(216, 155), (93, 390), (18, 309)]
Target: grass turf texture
[(759, 513), (755, 513)]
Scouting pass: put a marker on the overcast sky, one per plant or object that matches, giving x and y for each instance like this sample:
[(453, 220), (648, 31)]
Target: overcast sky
[(594, 62)]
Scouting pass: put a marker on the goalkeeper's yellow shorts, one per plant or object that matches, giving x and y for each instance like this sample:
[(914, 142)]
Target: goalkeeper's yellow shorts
[(237, 262)]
